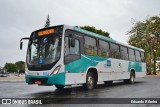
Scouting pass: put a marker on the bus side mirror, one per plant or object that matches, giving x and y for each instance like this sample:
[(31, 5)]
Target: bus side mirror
[(21, 45)]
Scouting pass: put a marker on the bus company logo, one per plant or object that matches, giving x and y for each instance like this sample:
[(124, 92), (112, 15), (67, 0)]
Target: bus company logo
[(6, 101), (108, 63)]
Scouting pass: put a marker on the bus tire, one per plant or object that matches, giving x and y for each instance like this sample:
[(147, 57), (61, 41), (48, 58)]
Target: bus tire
[(90, 81), (108, 82), (132, 78), (60, 87)]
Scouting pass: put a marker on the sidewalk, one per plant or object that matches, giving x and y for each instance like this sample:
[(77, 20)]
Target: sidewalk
[(13, 78), (158, 75)]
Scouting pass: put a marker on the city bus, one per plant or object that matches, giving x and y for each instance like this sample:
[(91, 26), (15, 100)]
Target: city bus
[(68, 55)]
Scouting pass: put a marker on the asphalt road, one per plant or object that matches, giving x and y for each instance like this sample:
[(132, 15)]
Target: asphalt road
[(147, 87)]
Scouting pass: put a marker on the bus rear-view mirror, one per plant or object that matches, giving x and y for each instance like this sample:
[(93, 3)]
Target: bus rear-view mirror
[(21, 45)]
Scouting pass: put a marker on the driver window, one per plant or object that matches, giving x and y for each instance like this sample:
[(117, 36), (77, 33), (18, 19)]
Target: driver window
[(71, 50), (33, 52)]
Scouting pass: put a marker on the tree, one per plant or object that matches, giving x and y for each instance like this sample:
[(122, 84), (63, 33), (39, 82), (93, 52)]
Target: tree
[(98, 31), (20, 65), (11, 67), (155, 32), (146, 35), (47, 24)]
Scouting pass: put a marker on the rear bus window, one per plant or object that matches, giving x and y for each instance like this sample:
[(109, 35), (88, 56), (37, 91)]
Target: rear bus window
[(138, 57), (142, 57)]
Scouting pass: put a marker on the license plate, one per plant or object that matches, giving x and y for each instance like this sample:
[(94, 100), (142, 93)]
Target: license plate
[(37, 82)]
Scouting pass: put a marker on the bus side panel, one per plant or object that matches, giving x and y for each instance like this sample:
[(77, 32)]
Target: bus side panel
[(75, 78), (113, 76), (143, 73), (113, 69), (76, 70), (138, 67)]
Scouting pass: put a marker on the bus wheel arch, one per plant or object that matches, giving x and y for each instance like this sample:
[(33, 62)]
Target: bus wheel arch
[(92, 74), (133, 71), (132, 77)]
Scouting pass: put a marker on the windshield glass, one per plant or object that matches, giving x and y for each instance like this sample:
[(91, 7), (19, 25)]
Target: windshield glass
[(44, 50)]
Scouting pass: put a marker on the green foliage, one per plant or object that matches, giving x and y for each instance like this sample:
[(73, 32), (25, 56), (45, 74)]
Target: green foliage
[(11, 67), (14, 67), (146, 35), (137, 35), (47, 24), (98, 31), (20, 65)]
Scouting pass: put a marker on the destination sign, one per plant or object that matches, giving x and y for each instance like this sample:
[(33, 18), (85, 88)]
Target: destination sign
[(45, 32)]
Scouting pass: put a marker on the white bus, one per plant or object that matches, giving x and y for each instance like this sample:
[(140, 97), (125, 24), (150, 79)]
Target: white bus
[(67, 55)]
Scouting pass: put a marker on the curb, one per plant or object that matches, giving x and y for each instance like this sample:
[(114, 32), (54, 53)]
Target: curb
[(12, 80)]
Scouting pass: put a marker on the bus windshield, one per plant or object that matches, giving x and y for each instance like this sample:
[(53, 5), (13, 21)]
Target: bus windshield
[(44, 50)]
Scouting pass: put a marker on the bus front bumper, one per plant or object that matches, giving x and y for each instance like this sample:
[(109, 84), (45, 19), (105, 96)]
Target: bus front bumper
[(57, 79)]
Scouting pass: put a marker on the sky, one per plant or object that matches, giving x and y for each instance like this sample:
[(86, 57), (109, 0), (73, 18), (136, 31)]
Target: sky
[(18, 18)]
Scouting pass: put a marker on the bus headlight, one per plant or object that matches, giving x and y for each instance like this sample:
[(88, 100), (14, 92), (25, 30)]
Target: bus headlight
[(56, 70), (26, 71)]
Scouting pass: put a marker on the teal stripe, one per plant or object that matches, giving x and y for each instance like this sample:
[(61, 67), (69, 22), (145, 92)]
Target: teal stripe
[(83, 63), (137, 66)]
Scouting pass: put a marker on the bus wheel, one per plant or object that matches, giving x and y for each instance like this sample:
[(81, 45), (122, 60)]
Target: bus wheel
[(60, 87), (108, 82), (131, 80), (90, 81)]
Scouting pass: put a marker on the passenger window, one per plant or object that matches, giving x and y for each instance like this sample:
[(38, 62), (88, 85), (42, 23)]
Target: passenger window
[(90, 46), (114, 49), (124, 53), (142, 57), (103, 49), (131, 55)]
